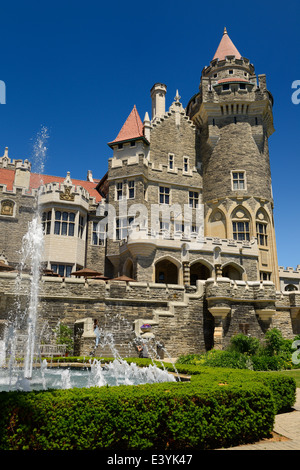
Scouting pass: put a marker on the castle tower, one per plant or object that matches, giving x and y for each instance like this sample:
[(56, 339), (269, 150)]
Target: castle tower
[(233, 114)]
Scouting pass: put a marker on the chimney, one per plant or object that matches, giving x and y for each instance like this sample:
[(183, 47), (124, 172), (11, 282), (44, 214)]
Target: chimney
[(158, 96), (22, 174)]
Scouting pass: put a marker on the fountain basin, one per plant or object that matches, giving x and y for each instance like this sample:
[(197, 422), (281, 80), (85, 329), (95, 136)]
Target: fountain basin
[(94, 374)]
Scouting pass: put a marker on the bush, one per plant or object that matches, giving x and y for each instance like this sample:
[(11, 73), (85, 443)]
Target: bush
[(219, 408), (244, 344), (160, 416)]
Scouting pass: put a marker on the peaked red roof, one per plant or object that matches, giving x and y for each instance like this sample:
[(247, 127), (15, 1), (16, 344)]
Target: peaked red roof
[(36, 180), (7, 178), (226, 47), (132, 129)]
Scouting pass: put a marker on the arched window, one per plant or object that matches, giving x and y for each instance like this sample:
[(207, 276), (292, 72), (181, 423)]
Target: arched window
[(262, 228), (241, 224), (290, 288)]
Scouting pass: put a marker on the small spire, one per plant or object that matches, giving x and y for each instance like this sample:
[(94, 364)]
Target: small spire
[(177, 97), (225, 31), (146, 118)]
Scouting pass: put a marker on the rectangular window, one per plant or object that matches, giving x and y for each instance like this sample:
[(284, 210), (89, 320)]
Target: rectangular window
[(179, 227), (238, 180), (261, 234), (225, 87), (119, 191), (98, 235), (80, 226), (242, 86), (193, 199), (46, 222), (164, 195), (122, 226), (264, 276), (165, 226), (64, 270), (241, 231), (131, 189), (185, 164), (64, 223), (171, 162)]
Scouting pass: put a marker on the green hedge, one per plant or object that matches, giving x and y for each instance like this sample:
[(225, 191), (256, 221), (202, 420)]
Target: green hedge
[(160, 416), (218, 408)]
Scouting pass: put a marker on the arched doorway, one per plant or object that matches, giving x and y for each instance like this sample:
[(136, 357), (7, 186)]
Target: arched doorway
[(233, 272), (128, 268), (199, 270), (166, 272)]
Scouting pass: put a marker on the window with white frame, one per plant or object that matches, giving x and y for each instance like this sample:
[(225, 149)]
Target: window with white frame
[(164, 226), (238, 180), (64, 223), (193, 199), (98, 233), (179, 227), (164, 195), (63, 270), (122, 226), (131, 189)]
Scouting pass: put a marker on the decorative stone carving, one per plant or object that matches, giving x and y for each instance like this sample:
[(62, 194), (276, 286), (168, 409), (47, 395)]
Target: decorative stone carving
[(66, 195), (7, 208)]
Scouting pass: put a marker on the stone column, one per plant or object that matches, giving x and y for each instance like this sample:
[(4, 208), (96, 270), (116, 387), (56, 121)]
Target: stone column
[(219, 314), (186, 273)]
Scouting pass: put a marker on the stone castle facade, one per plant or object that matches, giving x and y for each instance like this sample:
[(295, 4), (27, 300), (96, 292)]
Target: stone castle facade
[(180, 227)]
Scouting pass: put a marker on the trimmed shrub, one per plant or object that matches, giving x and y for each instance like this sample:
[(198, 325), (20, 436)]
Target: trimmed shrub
[(160, 416), (219, 408)]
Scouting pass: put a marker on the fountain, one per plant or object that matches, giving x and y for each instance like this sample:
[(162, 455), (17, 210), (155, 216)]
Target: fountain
[(27, 376)]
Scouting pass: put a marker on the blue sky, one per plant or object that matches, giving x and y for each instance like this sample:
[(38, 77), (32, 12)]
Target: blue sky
[(79, 67)]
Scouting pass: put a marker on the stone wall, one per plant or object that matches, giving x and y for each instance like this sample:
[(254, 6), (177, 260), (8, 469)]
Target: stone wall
[(183, 319)]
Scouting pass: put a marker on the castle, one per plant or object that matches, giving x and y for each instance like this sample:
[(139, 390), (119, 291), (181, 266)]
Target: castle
[(179, 231)]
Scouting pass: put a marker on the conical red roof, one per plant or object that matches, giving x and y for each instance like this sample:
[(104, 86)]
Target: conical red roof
[(226, 47), (132, 129)]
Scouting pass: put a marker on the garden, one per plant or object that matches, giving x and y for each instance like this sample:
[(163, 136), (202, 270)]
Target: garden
[(231, 397)]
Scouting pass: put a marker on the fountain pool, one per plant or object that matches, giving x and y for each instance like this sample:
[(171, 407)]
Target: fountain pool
[(93, 374), (27, 377)]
